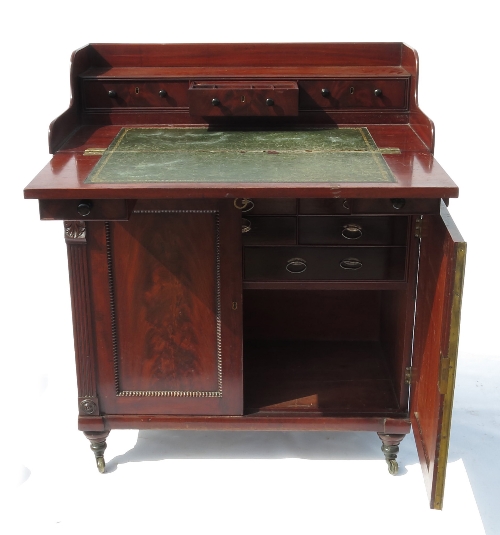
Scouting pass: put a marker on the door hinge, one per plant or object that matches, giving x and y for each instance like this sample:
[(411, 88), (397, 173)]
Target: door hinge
[(444, 373), (408, 371), (418, 228)]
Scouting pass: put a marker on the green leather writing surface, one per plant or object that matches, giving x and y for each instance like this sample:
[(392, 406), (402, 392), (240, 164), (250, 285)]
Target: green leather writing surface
[(204, 155)]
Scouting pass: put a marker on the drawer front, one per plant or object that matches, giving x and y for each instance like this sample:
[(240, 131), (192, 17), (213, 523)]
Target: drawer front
[(134, 94), (218, 99), (266, 206), (80, 210), (369, 206), (324, 206), (325, 263), (395, 206), (361, 93), (351, 230), (273, 230)]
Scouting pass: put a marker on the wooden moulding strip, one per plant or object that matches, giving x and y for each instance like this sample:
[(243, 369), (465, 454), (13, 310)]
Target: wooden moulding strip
[(267, 422)]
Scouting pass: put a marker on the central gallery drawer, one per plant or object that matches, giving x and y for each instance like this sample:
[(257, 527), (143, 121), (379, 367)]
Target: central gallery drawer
[(350, 230), (324, 263)]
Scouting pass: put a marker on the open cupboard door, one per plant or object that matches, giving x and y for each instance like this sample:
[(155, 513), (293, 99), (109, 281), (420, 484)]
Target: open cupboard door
[(437, 322)]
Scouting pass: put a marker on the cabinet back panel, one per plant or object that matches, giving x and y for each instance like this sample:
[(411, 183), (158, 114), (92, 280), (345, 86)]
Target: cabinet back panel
[(311, 315)]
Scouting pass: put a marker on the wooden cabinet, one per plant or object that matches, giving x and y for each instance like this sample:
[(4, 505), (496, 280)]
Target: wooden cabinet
[(253, 269)]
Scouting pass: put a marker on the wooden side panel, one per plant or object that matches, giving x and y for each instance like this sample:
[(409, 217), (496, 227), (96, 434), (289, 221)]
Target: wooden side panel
[(172, 338), (64, 125), (419, 122), (442, 262)]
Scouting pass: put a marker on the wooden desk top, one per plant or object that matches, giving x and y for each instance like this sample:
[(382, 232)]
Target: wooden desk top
[(414, 170)]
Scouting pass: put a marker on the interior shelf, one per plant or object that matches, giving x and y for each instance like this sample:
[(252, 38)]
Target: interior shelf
[(330, 377)]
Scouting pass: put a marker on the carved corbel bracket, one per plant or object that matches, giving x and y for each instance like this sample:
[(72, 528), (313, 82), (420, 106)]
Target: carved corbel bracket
[(75, 232)]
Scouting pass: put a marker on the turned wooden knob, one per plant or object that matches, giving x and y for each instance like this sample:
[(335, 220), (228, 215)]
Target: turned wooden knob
[(84, 208)]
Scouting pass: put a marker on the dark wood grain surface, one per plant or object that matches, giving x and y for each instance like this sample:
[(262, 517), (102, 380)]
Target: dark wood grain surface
[(166, 287)]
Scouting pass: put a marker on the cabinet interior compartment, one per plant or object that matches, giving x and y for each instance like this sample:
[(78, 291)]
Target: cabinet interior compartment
[(326, 351)]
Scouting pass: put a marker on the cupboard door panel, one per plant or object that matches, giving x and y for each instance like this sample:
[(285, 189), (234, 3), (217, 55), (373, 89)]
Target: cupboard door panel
[(172, 341), (439, 294)]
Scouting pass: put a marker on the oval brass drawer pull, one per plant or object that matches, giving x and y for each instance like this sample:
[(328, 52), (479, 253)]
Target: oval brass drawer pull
[(245, 205), (352, 231), (296, 265), (351, 263), (246, 225)]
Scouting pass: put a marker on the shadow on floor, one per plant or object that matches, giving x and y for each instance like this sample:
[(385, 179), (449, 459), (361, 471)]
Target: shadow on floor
[(159, 445)]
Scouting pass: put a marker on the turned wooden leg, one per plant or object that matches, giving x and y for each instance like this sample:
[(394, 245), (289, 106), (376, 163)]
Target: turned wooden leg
[(98, 445), (390, 447)]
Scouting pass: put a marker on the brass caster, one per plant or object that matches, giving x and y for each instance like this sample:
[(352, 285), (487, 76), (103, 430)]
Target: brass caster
[(393, 467), (101, 465)]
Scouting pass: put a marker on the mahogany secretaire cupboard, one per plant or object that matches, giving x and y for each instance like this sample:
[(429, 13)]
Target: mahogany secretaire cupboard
[(257, 238)]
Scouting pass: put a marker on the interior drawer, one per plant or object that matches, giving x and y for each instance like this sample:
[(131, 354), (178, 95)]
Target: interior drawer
[(269, 230), (395, 206), (392, 206), (266, 206), (351, 230), (134, 94), (363, 93), (324, 263), (324, 206)]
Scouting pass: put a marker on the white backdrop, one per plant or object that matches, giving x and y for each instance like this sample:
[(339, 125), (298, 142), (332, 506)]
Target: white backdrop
[(238, 483)]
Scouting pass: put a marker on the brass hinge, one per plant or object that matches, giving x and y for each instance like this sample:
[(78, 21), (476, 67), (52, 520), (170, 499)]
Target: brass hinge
[(418, 228), (408, 375), (389, 150), (444, 373), (94, 152)]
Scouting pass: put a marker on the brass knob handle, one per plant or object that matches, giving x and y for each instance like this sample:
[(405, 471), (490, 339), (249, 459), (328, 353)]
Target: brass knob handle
[(246, 226), (296, 265), (397, 204), (112, 93), (84, 208), (352, 231), (378, 92), (351, 263), (245, 205)]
